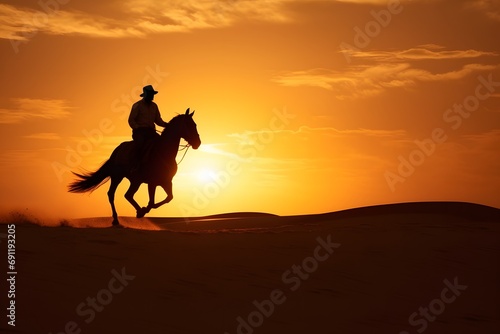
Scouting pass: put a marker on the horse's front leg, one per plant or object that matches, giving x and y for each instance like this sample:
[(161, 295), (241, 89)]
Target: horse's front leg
[(143, 211), (168, 189)]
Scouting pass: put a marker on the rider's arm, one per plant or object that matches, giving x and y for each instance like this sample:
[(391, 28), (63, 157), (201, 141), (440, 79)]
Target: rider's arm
[(158, 120), (133, 116)]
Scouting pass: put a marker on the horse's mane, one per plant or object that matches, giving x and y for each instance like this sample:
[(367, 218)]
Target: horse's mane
[(174, 119)]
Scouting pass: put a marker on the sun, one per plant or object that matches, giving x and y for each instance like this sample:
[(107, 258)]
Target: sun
[(205, 175)]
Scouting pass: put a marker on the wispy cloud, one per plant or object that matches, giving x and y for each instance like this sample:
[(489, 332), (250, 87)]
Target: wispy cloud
[(382, 70), (18, 157), (365, 80), (331, 131), (356, 132), (139, 18), (486, 139), (422, 52), (490, 8), (142, 17), (350, 152), (44, 136), (477, 156), (214, 149), (23, 23), (193, 14), (342, 141), (373, 2), (29, 109)]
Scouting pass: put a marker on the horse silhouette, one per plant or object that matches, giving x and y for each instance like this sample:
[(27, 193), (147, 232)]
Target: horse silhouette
[(156, 168)]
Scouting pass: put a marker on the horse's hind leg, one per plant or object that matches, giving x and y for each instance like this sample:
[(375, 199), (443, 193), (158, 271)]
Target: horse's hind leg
[(129, 195), (151, 191), (115, 181)]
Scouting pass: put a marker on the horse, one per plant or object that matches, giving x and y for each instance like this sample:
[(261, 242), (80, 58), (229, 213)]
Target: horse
[(156, 168)]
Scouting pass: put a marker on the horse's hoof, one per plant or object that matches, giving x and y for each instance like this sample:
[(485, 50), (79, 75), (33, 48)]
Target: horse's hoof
[(142, 212)]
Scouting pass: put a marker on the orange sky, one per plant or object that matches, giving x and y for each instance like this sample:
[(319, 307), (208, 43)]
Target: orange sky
[(302, 106)]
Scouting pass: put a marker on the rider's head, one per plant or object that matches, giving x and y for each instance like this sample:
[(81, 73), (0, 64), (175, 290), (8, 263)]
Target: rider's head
[(148, 93)]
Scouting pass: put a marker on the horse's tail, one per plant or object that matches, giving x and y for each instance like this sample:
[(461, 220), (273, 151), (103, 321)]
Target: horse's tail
[(91, 181)]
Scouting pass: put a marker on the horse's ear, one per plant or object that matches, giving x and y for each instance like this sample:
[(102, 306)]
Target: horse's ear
[(191, 114), (187, 111)]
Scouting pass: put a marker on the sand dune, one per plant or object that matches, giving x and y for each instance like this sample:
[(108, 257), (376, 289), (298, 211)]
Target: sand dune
[(412, 267)]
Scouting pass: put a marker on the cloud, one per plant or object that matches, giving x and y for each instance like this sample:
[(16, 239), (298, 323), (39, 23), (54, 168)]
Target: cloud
[(356, 132), (342, 142), (371, 2), (214, 149), (29, 109), (477, 156), (385, 69), (142, 17), (330, 131), (44, 136), (365, 80), (490, 8), (139, 18), (324, 150), (423, 52), (18, 157), (22, 24), (489, 139), (193, 14)]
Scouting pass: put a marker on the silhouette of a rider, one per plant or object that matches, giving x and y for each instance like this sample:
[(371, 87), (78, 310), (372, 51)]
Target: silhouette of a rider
[(143, 117)]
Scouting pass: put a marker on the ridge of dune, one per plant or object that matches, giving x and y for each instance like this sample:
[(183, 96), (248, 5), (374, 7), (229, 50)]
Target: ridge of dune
[(463, 209), (261, 221)]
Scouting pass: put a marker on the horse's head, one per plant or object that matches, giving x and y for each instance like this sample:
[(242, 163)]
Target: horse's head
[(187, 128)]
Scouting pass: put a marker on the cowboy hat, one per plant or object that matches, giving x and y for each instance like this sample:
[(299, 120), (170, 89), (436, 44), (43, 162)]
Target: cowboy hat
[(148, 89)]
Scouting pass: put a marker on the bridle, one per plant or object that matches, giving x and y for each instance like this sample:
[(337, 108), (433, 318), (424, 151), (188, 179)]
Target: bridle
[(182, 147)]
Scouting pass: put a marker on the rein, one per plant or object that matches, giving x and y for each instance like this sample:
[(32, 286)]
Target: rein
[(183, 148)]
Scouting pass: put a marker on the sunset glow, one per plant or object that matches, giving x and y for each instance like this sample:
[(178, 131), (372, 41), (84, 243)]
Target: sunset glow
[(301, 106)]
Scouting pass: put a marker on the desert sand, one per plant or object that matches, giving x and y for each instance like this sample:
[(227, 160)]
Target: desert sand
[(401, 268)]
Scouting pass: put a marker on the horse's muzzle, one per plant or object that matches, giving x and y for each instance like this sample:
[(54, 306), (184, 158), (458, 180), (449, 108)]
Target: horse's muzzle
[(196, 143)]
